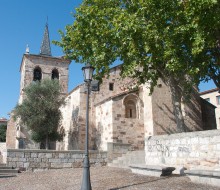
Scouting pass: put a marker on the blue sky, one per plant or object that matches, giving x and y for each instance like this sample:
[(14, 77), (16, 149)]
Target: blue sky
[(22, 22)]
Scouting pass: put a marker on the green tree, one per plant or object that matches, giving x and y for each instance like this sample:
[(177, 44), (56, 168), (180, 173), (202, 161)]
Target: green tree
[(177, 41), (3, 129), (40, 110)]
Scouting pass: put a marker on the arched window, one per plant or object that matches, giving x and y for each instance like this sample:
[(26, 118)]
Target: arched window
[(55, 74), (37, 74), (130, 103)]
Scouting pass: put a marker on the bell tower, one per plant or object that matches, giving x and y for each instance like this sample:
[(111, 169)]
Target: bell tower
[(43, 65), (36, 67)]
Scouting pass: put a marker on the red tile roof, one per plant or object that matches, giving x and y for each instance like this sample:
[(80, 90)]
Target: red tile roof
[(209, 91)]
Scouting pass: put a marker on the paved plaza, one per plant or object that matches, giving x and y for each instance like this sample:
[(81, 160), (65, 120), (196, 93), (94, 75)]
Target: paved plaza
[(102, 178)]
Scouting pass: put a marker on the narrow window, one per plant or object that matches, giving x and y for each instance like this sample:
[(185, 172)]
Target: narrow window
[(218, 100), (131, 106), (111, 86), (37, 74), (130, 109), (130, 113), (55, 74), (21, 144)]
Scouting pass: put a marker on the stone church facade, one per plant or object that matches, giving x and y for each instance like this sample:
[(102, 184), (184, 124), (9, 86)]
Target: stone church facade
[(122, 116)]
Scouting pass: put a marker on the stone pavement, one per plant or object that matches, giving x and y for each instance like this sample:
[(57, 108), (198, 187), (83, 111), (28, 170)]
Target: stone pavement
[(102, 178)]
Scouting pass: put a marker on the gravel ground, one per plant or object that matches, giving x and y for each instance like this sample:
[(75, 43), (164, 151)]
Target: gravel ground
[(102, 178)]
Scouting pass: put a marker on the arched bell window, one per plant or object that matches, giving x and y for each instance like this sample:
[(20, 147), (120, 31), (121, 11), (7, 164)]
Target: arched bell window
[(55, 74), (130, 103), (37, 74)]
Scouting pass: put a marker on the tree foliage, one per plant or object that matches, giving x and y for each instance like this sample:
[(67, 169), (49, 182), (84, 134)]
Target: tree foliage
[(3, 129), (40, 110), (177, 41), (153, 38)]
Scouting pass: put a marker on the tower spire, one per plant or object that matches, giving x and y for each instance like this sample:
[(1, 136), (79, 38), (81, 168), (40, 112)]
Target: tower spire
[(45, 46)]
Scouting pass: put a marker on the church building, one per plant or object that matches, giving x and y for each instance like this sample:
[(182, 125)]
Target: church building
[(122, 115)]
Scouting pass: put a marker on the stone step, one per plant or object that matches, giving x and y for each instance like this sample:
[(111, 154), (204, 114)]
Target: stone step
[(6, 171), (6, 167), (7, 175), (152, 170), (131, 157), (117, 165)]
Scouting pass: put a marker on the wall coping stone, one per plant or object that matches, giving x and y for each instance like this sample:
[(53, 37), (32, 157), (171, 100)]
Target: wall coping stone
[(211, 177), (55, 151), (209, 173), (215, 132)]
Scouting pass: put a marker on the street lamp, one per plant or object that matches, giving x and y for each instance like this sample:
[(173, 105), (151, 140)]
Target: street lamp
[(86, 184)]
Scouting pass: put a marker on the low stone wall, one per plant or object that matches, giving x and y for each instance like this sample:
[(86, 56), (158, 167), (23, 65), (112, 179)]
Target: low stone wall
[(3, 152), (191, 150), (49, 159)]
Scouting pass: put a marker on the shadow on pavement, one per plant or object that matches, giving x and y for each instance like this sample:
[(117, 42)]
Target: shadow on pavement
[(118, 188)]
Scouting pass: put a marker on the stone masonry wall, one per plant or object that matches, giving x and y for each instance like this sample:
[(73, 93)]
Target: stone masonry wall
[(128, 130), (191, 150), (163, 113), (208, 115), (104, 126), (70, 113), (11, 133), (3, 152), (48, 159), (119, 86), (109, 114), (47, 64)]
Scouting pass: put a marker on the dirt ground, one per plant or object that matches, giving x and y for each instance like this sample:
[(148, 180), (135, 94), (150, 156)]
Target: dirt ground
[(102, 178)]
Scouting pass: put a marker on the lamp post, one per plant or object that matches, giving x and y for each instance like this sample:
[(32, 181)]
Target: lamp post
[(86, 184)]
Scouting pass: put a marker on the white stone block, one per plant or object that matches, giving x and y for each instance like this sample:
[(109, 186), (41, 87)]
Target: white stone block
[(188, 141), (153, 154), (67, 165), (41, 155), (54, 160), (61, 155), (48, 155), (203, 140), (204, 147), (22, 159), (177, 141), (26, 164), (218, 146), (167, 142), (215, 139), (33, 155), (19, 164), (173, 154), (56, 165), (203, 154), (194, 154), (183, 141), (37, 160), (195, 140), (19, 154)]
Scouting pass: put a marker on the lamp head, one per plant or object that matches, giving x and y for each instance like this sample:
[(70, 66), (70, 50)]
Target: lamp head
[(88, 72)]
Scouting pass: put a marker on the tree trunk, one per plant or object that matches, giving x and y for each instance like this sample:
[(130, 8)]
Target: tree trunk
[(176, 101)]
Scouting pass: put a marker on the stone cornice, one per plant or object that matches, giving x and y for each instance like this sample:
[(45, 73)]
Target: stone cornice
[(27, 56)]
